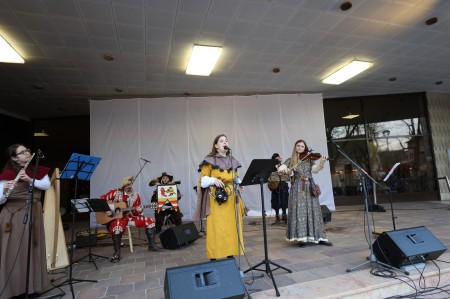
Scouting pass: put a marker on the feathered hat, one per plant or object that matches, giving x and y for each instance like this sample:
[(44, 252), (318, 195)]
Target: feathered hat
[(158, 179), (126, 181)]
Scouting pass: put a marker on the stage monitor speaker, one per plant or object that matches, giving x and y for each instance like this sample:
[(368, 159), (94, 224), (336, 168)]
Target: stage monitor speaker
[(177, 236), (326, 213), (407, 246), (215, 279)]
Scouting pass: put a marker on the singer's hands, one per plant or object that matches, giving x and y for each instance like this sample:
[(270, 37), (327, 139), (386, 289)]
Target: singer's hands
[(139, 209), (219, 183)]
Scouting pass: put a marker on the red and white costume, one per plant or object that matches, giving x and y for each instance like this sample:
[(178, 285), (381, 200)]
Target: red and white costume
[(133, 217)]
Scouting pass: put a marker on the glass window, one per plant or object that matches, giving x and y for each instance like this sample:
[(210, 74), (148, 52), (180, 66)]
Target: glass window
[(387, 130)]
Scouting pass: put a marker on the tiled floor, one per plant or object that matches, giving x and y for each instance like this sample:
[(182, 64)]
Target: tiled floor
[(141, 274)]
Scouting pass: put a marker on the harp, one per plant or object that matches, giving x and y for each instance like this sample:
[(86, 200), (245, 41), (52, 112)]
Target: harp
[(55, 241)]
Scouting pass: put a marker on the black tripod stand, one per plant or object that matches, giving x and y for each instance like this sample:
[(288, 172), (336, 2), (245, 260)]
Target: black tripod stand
[(390, 193), (371, 259), (258, 173), (79, 167), (91, 205)]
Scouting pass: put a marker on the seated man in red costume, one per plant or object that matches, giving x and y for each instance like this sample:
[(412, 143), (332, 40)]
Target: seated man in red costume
[(125, 193), (172, 212)]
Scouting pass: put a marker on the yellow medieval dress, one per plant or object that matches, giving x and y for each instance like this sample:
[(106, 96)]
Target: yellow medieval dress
[(221, 223)]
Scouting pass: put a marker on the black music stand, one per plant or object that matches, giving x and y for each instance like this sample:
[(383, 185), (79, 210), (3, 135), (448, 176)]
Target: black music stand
[(79, 167), (258, 173), (89, 205)]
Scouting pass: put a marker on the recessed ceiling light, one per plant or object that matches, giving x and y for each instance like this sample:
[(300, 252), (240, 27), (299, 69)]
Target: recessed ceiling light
[(431, 21), (202, 60), (348, 71), (350, 116), (439, 82), (8, 54), (41, 134), (108, 57), (276, 70), (346, 6), (393, 79)]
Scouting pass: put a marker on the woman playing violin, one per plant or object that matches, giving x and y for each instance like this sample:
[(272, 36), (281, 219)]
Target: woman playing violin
[(305, 221)]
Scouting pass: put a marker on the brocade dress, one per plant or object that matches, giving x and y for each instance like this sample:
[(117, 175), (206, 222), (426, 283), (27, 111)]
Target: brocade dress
[(305, 220), (221, 224)]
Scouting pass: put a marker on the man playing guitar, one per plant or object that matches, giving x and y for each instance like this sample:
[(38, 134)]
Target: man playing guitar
[(125, 193)]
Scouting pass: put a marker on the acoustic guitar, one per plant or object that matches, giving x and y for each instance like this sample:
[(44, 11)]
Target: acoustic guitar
[(119, 209)]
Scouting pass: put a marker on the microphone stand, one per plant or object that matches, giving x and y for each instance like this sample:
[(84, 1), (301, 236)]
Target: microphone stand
[(29, 212), (371, 259), (135, 177), (142, 167), (237, 216), (390, 192)]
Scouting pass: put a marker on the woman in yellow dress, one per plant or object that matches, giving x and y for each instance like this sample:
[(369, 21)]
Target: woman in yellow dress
[(224, 226)]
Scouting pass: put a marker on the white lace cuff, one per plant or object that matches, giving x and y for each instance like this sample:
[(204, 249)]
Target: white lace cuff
[(207, 181)]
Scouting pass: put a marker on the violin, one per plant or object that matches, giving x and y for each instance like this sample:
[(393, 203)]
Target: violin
[(311, 156), (303, 156)]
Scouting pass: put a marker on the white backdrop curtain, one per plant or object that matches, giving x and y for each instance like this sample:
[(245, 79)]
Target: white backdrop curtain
[(175, 134)]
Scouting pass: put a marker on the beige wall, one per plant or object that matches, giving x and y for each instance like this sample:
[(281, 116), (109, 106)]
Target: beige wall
[(439, 109)]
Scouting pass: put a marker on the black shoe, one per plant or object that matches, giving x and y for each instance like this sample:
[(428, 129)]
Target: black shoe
[(302, 244), (115, 258), (150, 232), (326, 243)]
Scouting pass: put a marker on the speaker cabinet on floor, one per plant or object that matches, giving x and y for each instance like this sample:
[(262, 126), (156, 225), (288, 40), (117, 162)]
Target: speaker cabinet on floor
[(216, 279), (326, 213), (404, 247), (175, 237)]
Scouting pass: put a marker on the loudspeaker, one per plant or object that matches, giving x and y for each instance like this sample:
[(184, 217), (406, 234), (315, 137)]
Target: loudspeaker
[(326, 213), (404, 247), (215, 279), (84, 239), (375, 208), (175, 237)]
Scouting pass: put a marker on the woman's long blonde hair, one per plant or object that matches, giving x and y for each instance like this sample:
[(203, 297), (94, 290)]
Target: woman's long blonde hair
[(295, 156)]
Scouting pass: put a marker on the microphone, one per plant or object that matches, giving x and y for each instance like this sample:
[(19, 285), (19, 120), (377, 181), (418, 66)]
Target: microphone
[(40, 154), (228, 149), (145, 160)]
